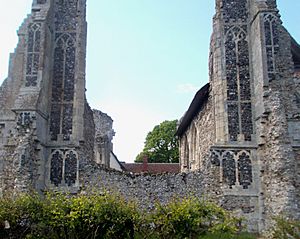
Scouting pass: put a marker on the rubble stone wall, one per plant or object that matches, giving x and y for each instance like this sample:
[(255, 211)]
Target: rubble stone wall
[(255, 94), (198, 138), (104, 134)]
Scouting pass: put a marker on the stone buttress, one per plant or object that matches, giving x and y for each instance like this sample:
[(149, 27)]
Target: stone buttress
[(276, 112), (242, 129)]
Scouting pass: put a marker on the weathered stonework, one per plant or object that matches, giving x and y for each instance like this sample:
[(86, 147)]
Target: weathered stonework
[(254, 115), (103, 137), (197, 147), (47, 129), (145, 189), (239, 140)]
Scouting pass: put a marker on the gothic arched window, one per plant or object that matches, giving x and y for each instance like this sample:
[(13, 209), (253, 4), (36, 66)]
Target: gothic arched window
[(56, 168), (33, 54), (245, 170), (70, 168), (63, 87), (194, 143), (238, 84), (63, 167), (186, 154), (229, 169), (271, 41)]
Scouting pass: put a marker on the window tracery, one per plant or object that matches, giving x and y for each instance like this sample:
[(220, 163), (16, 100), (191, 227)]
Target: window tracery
[(229, 169), (63, 88), (245, 170), (63, 167), (70, 168), (271, 41), (61, 117), (238, 83), (235, 167), (33, 54), (56, 168)]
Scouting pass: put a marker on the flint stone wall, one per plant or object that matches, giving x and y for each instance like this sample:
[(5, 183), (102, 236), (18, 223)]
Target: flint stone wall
[(147, 189)]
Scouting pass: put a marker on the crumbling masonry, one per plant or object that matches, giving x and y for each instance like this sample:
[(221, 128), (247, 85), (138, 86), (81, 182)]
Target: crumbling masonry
[(244, 125), (239, 140), (47, 129)]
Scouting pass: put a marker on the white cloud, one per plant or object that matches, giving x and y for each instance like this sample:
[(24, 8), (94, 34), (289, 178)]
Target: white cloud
[(187, 88)]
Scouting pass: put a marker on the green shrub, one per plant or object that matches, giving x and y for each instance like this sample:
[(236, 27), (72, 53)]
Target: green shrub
[(63, 216), (189, 218), (286, 228), (20, 215)]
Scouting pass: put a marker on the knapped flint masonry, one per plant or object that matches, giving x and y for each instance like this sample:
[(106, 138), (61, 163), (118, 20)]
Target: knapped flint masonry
[(47, 128), (245, 124), (239, 140)]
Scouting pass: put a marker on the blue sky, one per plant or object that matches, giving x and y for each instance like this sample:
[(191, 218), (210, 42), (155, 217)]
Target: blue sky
[(145, 58)]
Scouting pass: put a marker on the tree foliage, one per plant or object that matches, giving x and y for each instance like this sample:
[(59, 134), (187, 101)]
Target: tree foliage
[(161, 145)]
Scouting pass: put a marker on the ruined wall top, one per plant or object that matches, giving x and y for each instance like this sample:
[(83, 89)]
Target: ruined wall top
[(103, 125)]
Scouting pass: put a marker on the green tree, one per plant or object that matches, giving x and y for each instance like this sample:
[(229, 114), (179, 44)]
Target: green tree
[(161, 145)]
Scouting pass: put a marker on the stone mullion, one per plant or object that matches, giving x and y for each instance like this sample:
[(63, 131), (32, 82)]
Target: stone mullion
[(236, 171), (63, 169)]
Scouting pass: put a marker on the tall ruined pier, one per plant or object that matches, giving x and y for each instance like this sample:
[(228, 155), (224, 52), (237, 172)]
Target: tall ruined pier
[(243, 127)]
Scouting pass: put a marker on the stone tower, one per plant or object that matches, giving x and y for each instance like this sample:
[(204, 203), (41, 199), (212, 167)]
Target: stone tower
[(243, 128), (47, 131)]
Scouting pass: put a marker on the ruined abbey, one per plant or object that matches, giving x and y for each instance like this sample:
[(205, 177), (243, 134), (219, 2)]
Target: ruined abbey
[(239, 139), (47, 129), (245, 123)]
